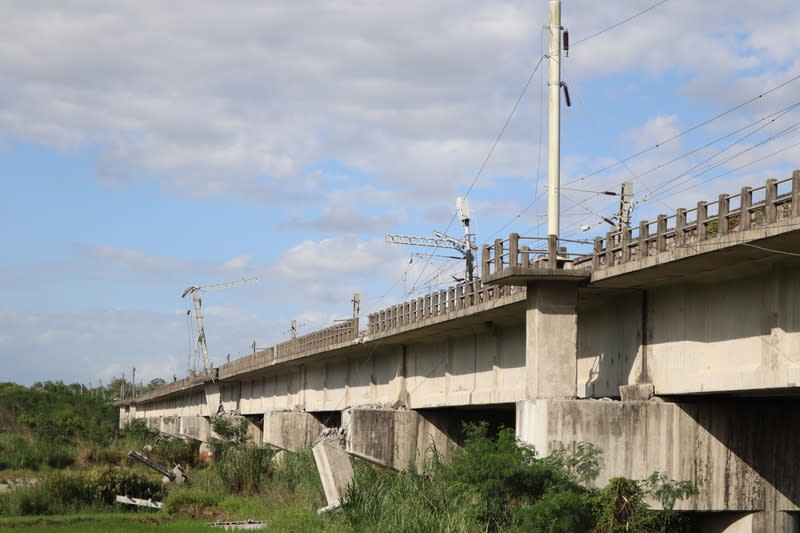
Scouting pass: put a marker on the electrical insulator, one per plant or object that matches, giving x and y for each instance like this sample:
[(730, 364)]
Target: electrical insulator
[(566, 94), (566, 42)]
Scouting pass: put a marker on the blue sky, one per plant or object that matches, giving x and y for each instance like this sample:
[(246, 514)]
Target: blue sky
[(145, 147)]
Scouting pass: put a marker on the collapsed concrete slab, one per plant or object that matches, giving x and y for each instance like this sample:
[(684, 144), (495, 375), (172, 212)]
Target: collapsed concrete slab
[(335, 470)]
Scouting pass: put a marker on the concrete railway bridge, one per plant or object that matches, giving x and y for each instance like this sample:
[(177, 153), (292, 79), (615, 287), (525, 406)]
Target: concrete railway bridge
[(673, 346)]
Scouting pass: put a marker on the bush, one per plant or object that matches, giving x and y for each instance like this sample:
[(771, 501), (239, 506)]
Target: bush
[(177, 451), (243, 468), (501, 474), (231, 429), (407, 501), (136, 434), (498, 484)]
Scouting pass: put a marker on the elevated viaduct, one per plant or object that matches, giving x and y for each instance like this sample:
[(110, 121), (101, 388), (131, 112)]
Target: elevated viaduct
[(673, 346)]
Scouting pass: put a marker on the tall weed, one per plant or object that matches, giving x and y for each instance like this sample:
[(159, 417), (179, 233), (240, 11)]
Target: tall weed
[(242, 469)]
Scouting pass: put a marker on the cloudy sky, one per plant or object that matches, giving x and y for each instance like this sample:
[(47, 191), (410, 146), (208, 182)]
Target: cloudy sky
[(146, 146)]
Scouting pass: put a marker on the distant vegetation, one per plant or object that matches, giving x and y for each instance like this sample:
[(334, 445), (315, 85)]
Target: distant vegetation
[(63, 460)]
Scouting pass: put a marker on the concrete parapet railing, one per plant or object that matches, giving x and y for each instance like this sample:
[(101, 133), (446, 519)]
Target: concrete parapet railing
[(542, 252), (463, 296), (776, 201), (319, 341), (752, 208), (193, 380), (250, 362)]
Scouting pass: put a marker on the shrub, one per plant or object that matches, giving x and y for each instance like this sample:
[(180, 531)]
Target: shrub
[(64, 491), (500, 474), (621, 505), (177, 451), (137, 434), (381, 500), (242, 468), (232, 430)]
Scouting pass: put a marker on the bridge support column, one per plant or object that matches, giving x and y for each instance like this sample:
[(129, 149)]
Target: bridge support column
[(291, 430), (551, 321), (395, 438)]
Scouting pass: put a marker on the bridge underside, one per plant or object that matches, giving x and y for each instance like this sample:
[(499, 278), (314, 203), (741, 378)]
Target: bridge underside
[(684, 360)]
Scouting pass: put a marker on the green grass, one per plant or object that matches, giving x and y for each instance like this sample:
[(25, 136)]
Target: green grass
[(100, 523)]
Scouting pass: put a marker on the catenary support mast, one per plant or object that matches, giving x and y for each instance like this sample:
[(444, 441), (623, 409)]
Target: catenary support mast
[(554, 121)]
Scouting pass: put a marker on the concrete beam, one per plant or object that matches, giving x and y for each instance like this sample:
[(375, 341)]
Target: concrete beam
[(291, 430), (395, 438)]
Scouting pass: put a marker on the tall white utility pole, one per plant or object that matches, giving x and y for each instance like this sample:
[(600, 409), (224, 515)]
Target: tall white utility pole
[(554, 114)]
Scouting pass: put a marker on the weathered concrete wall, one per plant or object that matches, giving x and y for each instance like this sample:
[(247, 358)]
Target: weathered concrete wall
[(396, 438), (742, 453), (196, 427), (291, 430), (731, 334), (485, 367), (609, 343), (480, 367)]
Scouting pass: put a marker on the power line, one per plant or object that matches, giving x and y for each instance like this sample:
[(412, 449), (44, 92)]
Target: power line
[(488, 155), (781, 133), (687, 131), (770, 250), (777, 114), (730, 171), (640, 13)]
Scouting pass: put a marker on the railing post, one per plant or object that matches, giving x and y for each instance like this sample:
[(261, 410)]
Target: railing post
[(451, 304), (644, 233), (498, 255), (625, 241), (680, 227), (485, 261), (552, 251), (513, 248), (770, 209), (525, 256), (661, 233), (598, 249), (796, 193), (702, 214), (746, 201), (610, 249), (442, 301), (427, 307), (722, 214)]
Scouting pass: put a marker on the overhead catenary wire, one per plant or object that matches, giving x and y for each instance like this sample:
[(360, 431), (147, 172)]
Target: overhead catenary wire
[(620, 23), (489, 154), (772, 118), (686, 131), (771, 138)]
